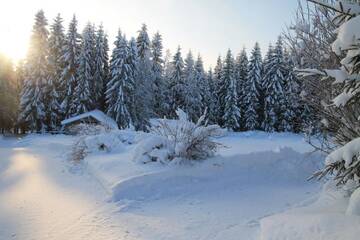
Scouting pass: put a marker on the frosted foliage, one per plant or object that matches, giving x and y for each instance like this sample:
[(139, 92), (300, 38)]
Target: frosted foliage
[(179, 140)]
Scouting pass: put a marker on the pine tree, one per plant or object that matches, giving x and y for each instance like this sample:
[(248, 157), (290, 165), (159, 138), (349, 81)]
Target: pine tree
[(252, 101), (158, 73), (241, 74), (69, 75), (193, 97), (265, 125), (220, 91), (121, 87), (136, 109), (101, 73), (177, 84), (84, 90), (54, 94), (202, 86), (274, 83), (145, 80), (231, 111), (292, 113), (32, 104), (211, 105), (167, 79)]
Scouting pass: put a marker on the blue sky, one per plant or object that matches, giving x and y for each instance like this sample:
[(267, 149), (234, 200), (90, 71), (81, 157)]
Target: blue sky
[(206, 26)]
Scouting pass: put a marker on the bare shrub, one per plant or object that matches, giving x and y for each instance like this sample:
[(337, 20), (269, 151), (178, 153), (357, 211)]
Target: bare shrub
[(78, 151)]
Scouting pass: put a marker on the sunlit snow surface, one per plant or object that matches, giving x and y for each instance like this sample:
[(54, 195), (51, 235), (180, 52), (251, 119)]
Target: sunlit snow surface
[(109, 196)]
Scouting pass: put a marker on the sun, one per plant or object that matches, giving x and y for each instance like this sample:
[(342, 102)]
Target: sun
[(16, 51)]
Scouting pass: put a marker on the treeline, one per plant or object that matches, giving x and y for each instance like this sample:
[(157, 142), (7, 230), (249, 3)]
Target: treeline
[(9, 94), (68, 73)]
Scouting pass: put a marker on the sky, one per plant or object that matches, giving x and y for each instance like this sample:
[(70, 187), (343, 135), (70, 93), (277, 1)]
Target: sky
[(208, 27)]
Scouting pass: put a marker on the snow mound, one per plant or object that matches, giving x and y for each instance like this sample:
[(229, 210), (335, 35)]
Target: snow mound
[(215, 175)]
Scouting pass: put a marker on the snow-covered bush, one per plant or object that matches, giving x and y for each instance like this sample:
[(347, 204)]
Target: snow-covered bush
[(103, 142), (179, 139), (153, 149)]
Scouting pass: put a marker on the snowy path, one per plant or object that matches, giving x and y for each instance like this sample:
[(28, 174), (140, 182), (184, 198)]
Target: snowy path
[(40, 199), (222, 199)]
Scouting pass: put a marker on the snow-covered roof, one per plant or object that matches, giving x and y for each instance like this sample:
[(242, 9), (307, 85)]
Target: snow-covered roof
[(97, 114)]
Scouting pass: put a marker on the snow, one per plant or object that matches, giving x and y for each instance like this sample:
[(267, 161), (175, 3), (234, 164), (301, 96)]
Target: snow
[(340, 75), (348, 36), (224, 197), (97, 114), (233, 195), (354, 204), (324, 218), (345, 153)]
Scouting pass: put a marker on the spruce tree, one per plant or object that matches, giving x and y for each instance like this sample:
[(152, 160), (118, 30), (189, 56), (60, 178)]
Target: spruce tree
[(211, 105), (55, 90), (84, 91), (32, 103), (241, 74), (167, 77), (69, 76), (202, 86), (121, 86), (158, 73), (145, 80), (101, 73), (292, 113), (231, 115), (177, 84), (220, 90), (192, 97), (251, 95), (274, 84)]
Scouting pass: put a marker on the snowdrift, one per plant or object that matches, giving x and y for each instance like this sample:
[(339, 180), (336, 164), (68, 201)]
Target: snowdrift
[(286, 166)]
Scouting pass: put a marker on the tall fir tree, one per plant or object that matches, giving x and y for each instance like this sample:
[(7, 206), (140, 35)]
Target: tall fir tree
[(55, 90), (274, 84), (211, 105), (251, 96), (145, 80), (177, 84), (193, 97), (167, 77), (241, 74), (32, 102), (85, 97), (220, 90), (292, 114), (158, 73), (231, 115), (202, 86), (69, 76), (101, 73), (121, 87)]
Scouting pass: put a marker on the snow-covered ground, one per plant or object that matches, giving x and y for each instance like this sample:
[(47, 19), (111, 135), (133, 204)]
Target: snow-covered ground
[(110, 196)]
